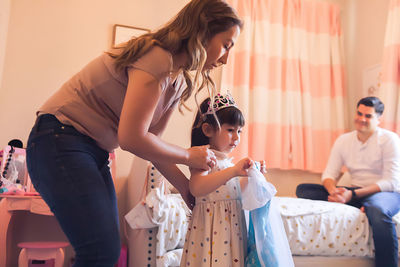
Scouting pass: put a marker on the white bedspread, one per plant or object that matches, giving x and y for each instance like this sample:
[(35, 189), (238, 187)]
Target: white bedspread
[(326, 228), (171, 214), (317, 228)]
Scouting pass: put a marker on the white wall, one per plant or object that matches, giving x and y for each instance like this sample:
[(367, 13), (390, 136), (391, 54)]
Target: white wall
[(47, 42), (364, 26), (4, 18)]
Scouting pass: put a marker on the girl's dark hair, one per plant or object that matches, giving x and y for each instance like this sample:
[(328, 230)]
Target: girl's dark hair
[(230, 115)]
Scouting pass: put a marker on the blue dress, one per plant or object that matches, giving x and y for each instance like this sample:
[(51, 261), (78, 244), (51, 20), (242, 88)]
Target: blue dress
[(267, 244)]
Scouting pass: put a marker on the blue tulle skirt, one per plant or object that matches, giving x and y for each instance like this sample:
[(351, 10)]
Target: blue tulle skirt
[(267, 242)]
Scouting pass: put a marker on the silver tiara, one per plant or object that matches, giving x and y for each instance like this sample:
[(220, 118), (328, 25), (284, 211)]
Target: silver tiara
[(220, 102)]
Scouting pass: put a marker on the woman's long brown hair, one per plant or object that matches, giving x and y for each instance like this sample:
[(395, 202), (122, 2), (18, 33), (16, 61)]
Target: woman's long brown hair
[(188, 32)]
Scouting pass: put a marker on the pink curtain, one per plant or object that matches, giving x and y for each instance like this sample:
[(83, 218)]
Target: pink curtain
[(287, 75), (390, 86)]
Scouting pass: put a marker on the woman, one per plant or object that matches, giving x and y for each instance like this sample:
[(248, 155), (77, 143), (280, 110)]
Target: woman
[(124, 98)]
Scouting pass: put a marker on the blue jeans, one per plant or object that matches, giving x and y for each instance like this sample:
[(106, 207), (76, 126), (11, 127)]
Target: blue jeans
[(71, 173), (379, 208)]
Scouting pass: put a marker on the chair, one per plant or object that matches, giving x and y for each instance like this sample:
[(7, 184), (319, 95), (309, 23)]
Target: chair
[(41, 251)]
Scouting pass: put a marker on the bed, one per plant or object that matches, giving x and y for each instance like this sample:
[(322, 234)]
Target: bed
[(319, 233)]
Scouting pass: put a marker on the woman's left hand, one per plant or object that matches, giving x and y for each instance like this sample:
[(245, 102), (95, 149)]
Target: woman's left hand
[(201, 157)]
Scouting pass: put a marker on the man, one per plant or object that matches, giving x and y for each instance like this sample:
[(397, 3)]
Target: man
[(372, 157)]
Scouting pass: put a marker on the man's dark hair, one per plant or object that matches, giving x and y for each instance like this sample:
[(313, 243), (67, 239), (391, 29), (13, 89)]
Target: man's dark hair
[(372, 101)]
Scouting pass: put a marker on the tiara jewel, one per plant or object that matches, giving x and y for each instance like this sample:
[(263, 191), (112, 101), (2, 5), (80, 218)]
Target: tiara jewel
[(220, 102)]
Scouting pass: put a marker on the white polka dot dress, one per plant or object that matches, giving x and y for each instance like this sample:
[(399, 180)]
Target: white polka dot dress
[(216, 234)]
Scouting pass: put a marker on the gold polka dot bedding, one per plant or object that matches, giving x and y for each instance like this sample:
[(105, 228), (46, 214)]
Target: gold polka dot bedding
[(327, 229)]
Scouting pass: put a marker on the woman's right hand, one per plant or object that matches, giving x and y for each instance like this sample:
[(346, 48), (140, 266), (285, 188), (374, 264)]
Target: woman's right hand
[(201, 157), (242, 167)]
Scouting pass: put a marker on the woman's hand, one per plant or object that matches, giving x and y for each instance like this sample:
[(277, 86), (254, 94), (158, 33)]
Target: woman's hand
[(242, 167), (201, 157)]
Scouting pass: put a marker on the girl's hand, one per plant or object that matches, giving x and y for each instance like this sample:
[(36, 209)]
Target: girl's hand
[(201, 157), (263, 167), (243, 166)]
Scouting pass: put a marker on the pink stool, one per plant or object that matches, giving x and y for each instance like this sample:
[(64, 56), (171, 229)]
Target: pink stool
[(41, 251)]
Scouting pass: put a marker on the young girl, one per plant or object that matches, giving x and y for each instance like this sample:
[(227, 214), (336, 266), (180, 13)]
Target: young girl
[(217, 230)]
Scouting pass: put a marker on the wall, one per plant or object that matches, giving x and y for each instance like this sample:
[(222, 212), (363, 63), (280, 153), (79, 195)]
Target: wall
[(4, 18), (365, 23), (48, 41), (45, 43)]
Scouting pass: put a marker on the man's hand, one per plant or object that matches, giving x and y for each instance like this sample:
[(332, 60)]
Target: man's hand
[(336, 198), (340, 195), (347, 195), (336, 195)]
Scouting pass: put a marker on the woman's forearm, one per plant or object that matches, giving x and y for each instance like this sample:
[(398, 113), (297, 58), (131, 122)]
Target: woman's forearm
[(174, 175), (178, 179), (150, 147)]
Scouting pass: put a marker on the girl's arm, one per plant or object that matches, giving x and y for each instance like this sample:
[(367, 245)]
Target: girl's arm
[(202, 182), (141, 99)]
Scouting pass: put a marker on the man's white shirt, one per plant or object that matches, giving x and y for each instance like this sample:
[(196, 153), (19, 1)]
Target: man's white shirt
[(375, 161)]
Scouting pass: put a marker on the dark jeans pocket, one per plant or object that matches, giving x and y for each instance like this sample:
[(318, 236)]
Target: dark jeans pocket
[(32, 154)]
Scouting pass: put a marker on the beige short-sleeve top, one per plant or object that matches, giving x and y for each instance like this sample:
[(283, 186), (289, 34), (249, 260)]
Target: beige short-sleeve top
[(91, 101)]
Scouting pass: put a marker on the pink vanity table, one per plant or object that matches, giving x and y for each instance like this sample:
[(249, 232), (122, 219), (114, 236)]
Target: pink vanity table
[(10, 204)]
